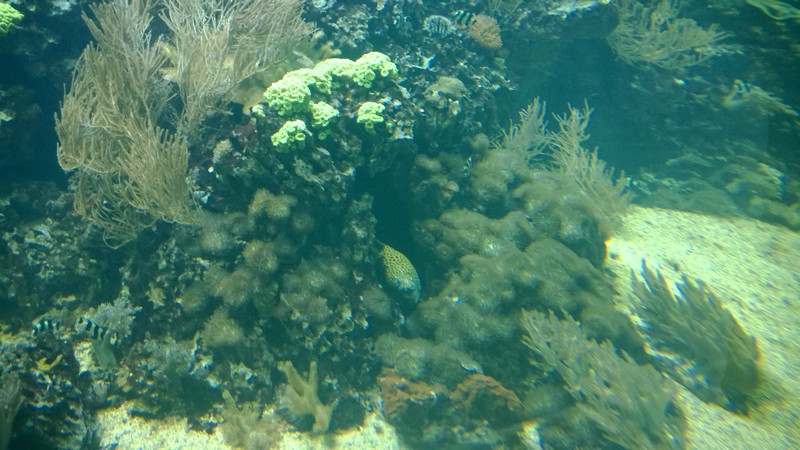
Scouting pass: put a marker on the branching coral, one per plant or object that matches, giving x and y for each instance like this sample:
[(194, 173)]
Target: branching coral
[(631, 404), (301, 396), (657, 36), (247, 427), (117, 126), (692, 325), (216, 44), (776, 9), (756, 99), (516, 164), (607, 192)]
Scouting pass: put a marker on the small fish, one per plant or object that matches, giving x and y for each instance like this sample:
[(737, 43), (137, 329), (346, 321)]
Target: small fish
[(95, 331), (46, 325), (463, 18), (468, 166)]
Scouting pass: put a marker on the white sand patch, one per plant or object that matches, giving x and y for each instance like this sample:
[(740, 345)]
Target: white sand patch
[(130, 433)]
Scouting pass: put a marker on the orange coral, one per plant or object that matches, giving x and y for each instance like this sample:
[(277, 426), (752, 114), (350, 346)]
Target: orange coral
[(484, 396), (485, 31), (415, 404), (405, 398)]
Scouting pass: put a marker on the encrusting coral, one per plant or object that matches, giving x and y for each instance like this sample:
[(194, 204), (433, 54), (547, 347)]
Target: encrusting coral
[(430, 411)]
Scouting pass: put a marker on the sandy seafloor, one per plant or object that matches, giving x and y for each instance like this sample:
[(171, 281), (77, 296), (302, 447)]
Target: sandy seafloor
[(751, 266)]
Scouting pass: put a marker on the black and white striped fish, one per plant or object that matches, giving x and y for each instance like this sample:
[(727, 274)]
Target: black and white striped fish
[(46, 325), (463, 19), (95, 331)]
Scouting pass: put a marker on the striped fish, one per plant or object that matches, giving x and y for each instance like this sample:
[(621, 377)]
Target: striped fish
[(46, 325), (95, 331)]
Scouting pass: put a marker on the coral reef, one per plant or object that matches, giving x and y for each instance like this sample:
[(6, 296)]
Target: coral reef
[(133, 172), (234, 239)]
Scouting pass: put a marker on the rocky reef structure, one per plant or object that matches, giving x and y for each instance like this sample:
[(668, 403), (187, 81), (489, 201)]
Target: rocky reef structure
[(257, 196)]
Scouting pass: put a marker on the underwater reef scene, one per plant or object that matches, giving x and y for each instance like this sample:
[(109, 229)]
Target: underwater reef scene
[(499, 224)]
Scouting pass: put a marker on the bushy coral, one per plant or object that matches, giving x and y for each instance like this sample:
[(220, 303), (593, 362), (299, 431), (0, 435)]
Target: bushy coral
[(574, 198), (508, 263), (632, 405), (421, 359), (693, 327), (274, 207), (221, 330), (315, 289), (654, 34)]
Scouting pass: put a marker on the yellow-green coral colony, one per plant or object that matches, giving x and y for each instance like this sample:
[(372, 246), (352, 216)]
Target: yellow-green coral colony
[(400, 273), (8, 17), (370, 114), (292, 132), (293, 96)]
